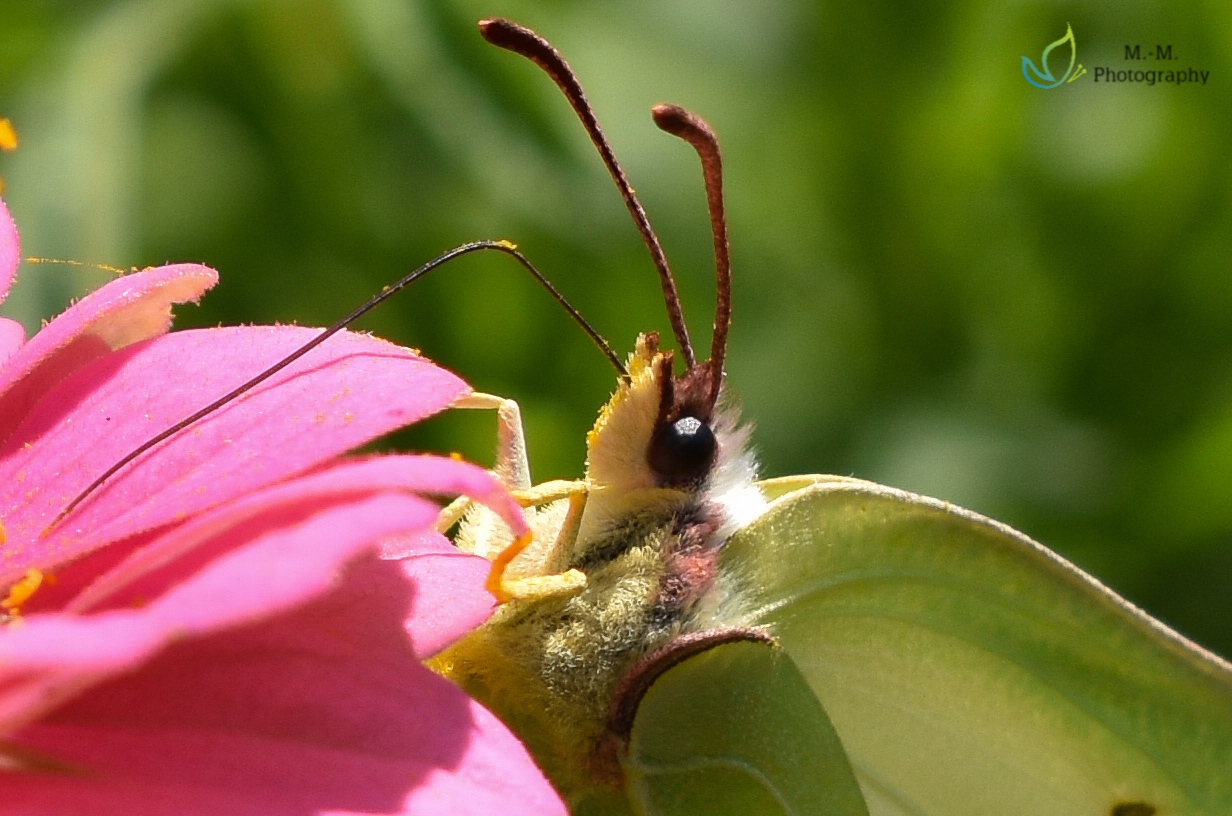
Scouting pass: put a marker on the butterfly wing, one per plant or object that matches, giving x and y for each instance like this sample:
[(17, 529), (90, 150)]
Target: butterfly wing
[(737, 730), (969, 670)]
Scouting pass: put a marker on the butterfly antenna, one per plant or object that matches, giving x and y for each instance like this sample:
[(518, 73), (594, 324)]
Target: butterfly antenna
[(386, 293), (520, 40), (694, 130)]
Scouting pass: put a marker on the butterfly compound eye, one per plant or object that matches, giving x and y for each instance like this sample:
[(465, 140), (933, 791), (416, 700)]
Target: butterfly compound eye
[(683, 450)]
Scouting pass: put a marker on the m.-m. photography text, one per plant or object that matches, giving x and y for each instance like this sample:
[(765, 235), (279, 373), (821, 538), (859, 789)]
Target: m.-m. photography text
[(1161, 53)]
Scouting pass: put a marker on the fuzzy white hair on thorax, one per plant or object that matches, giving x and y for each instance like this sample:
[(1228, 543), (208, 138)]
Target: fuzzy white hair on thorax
[(732, 483)]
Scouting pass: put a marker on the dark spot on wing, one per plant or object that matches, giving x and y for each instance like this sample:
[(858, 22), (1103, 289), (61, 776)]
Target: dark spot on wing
[(1133, 809)]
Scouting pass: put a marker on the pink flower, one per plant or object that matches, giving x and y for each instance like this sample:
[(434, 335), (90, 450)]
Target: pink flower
[(238, 617)]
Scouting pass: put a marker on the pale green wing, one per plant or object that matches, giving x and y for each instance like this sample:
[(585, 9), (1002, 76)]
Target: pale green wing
[(737, 730), (968, 670), (734, 731)]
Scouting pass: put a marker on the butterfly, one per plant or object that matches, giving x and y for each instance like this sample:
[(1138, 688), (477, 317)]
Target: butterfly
[(678, 637)]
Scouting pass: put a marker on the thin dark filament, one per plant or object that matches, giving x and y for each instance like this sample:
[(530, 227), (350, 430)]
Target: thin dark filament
[(523, 41), (694, 130), (373, 302)]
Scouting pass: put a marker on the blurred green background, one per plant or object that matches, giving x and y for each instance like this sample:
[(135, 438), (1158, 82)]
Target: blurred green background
[(946, 279)]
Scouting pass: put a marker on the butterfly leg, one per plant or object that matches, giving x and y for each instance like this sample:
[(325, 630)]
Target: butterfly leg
[(512, 468), (512, 465), (562, 533)]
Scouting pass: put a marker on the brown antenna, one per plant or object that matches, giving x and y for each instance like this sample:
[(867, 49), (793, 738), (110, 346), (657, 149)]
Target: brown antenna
[(385, 294), (679, 122), (523, 41)]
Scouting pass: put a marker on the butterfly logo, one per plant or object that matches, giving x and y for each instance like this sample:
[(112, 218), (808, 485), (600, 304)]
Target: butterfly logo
[(1042, 77)]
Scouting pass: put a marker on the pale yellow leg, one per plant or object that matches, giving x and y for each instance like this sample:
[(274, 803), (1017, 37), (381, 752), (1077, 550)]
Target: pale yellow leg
[(549, 492), (540, 494), (512, 466), (513, 470), (452, 513)]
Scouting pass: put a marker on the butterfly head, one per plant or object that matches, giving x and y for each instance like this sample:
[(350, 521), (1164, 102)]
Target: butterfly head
[(658, 429)]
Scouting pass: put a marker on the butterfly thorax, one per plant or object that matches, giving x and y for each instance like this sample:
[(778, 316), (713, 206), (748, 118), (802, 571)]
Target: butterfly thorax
[(649, 551)]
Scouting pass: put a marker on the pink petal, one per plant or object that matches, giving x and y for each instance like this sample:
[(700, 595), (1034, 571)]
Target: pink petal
[(156, 772), (262, 567), (10, 250), (350, 390), (322, 709), (12, 336), (134, 307), (341, 481), (449, 601)]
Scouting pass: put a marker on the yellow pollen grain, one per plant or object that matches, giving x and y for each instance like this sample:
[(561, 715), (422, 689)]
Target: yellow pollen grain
[(8, 141), (21, 591), (454, 455), (8, 135)]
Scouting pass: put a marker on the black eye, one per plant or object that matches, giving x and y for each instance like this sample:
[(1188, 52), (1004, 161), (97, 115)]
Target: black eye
[(682, 450)]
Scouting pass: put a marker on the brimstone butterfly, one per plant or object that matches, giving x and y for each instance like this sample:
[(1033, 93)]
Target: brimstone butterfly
[(682, 639)]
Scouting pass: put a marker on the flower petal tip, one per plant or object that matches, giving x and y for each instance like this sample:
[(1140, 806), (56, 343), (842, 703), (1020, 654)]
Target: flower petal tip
[(10, 250)]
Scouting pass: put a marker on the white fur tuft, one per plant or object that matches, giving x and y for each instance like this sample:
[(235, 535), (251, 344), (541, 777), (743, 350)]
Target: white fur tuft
[(732, 484)]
